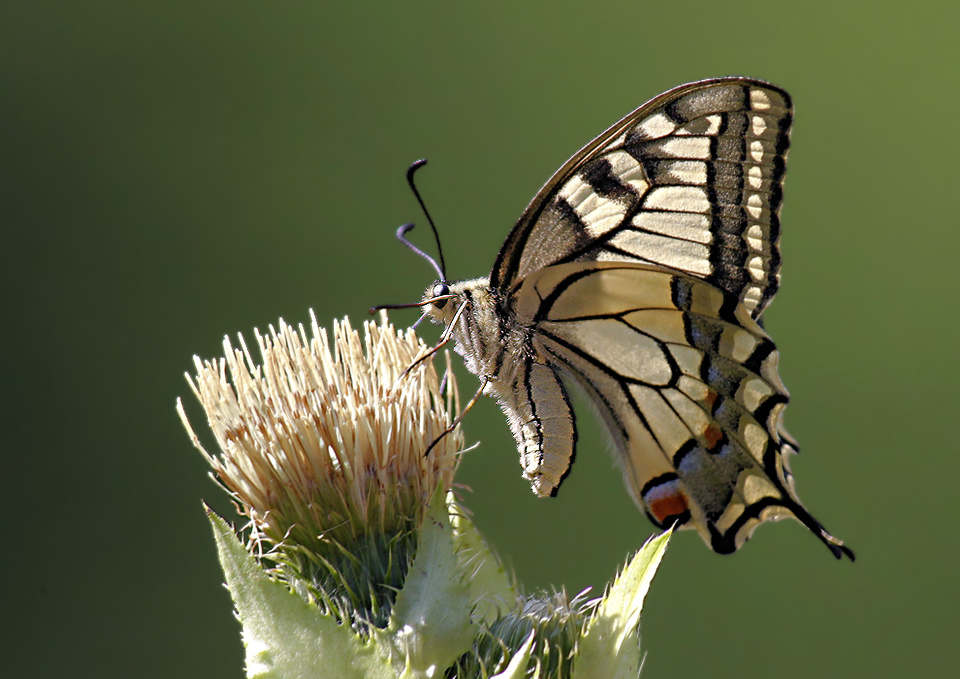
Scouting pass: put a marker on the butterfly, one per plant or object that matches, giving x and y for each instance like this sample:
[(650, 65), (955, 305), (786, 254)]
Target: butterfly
[(639, 273)]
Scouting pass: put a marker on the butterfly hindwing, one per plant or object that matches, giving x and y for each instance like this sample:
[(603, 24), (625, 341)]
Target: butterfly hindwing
[(686, 383), (691, 181)]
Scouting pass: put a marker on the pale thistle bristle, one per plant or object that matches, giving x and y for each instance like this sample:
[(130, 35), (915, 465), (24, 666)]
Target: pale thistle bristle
[(322, 444)]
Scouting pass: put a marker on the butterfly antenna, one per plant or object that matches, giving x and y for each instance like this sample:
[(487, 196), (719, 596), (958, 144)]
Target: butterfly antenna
[(413, 187), (440, 268), (402, 237)]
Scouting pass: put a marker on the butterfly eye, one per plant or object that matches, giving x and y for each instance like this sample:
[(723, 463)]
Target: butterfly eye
[(439, 290)]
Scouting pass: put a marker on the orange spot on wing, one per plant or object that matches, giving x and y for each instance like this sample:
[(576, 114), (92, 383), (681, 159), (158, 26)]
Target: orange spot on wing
[(666, 504), (711, 435)]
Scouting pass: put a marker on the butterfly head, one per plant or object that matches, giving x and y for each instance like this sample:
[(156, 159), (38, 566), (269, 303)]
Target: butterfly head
[(444, 301), (441, 300)]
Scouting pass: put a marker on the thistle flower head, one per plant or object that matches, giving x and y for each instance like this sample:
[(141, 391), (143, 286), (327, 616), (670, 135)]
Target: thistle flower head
[(322, 445)]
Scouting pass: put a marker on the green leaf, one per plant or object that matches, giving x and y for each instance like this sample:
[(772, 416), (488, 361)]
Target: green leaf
[(430, 625), (610, 646), (490, 589), (286, 637)]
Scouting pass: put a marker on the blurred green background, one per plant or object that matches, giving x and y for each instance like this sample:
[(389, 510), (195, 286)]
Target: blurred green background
[(173, 172)]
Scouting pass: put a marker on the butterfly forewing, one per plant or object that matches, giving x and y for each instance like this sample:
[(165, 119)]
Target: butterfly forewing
[(691, 181)]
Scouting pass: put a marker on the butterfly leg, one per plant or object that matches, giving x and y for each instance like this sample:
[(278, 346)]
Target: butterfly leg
[(459, 418), (444, 338)]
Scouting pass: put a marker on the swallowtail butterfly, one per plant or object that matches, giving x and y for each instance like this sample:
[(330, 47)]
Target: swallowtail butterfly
[(640, 272)]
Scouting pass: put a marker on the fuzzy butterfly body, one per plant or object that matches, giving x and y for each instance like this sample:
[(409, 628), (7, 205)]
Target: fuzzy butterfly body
[(640, 272)]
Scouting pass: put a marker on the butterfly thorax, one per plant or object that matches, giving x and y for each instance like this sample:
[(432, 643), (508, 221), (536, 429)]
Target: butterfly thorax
[(483, 334)]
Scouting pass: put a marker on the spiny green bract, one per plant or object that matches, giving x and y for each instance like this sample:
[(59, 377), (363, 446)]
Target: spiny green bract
[(454, 615)]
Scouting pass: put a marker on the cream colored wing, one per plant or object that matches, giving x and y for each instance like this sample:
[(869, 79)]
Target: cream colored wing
[(687, 384)]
